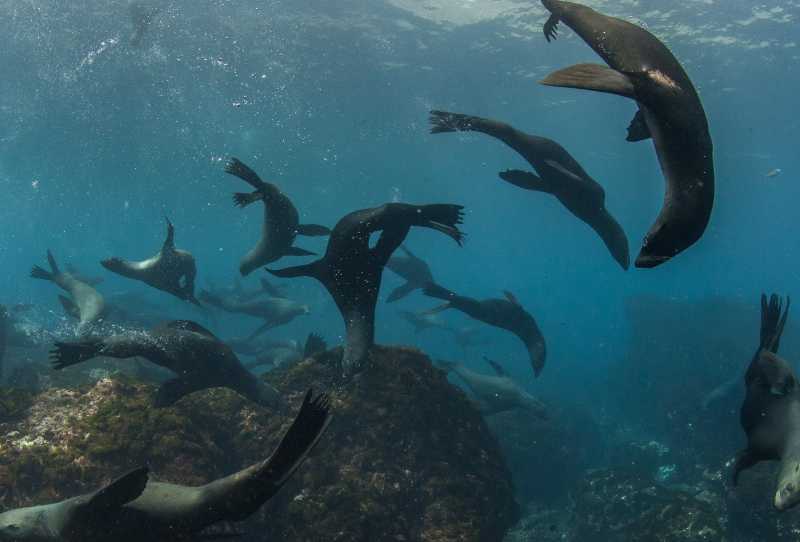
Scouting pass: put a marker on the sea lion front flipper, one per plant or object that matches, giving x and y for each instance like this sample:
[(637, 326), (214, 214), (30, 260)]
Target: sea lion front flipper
[(67, 354), (171, 391), (308, 270), (313, 230), (243, 199), (637, 129), (169, 242), (400, 292), (613, 236), (592, 77), (744, 460), (524, 179), (498, 369), (121, 491), (296, 251)]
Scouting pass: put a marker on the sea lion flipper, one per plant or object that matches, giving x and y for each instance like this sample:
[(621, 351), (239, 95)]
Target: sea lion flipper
[(243, 199), (613, 236), (498, 369), (551, 27), (52, 261), (744, 460), (592, 77), (524, 179), (773, 320), (39, 273), (169, 242), (237, 168), (121, 491), (638, 129), (297, 251), (308, 270), (401, 292), (444, 121), (67, 354), (313, 230)]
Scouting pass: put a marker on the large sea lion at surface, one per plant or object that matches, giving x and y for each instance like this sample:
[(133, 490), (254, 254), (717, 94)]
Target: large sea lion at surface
[(90, 304), (194, 354), (281, 220), (559, 174), (670, 112), (171, 270), (770, 414), (133, 508), (507, 314), (413, 269), (496, 393), (351, 269)]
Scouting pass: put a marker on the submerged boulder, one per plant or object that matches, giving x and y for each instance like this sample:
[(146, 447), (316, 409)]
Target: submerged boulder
[(406, 457)]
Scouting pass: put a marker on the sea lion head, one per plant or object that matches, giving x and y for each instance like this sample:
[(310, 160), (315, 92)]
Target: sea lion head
[(116, 265), (21, 525), (788, 493)]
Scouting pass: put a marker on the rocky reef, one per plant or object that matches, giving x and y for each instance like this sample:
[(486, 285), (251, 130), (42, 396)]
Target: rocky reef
[(406, 457)]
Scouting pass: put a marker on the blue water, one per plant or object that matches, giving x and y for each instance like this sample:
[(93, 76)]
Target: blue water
[(329, 100)]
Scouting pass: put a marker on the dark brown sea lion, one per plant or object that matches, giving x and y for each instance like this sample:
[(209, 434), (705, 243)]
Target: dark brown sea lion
[(670, 112), (351, 270), (281, 220), (559, 174), (171, 270), (193, 353), (134, 509)]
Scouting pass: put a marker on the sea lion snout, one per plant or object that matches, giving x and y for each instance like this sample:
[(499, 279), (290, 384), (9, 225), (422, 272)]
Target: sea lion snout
[(788, 493)]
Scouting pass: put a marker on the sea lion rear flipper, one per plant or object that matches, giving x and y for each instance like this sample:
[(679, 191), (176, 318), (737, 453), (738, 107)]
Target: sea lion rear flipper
[(637, 129), (444, 121), (308, 270), (592, 77), (524, 179), (236, 167), (551, 27), (496, 366), (69, 307), (400, 292), (52, 261), (67, 354), (744, 460), (773, 320), (314, 345), (243, 199), (173, 390), (313, 230), (296, 251)]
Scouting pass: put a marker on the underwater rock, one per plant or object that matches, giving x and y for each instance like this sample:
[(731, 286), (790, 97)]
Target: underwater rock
[(406, 457), (621, 506)]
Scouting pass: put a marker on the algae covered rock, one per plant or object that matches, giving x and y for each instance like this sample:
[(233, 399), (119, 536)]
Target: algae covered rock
[(406, 457), (619, 505)]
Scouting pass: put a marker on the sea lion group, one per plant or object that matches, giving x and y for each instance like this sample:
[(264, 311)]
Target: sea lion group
[(669, 111)]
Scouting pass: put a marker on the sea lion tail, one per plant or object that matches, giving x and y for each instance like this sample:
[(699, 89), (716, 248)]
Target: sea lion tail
[(67, 354), (773, 320), (444, 121)]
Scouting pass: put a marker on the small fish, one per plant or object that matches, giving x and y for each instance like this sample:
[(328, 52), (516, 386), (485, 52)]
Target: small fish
[(774, 172)]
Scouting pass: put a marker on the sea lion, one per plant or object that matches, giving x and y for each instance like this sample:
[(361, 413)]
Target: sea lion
[(133, 508), (91, 305), (91, 281), (505, 313), (422, 321), (198, 358), (643, 69), (413, 269), (498, 393), (275, 311), (351, 270), (559, 174), (770, 414), (281, 220), (171, 270), (288, 352)]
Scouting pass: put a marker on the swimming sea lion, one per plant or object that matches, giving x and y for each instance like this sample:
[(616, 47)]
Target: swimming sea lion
[(275, 311), (281, 220), (171, 270), (91, 305), (505, 313), (133, 508), (194, 354), (422, 321), (559, 174), (770, 414), (643, 69), (498, 393), (288, 352), (413, 269), (351, 270)]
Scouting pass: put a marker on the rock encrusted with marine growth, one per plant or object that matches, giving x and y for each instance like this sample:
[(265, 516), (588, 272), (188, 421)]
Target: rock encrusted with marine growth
[(406, 457)]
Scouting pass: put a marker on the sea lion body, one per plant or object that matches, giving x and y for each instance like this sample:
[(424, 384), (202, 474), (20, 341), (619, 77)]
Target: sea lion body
[(559, 174), (171, 270), (193, 353), (275, 311), (414, 270), (422, 321), (281, 223), (642, 68), (133, 508), (506, 314), (351, 270), (90, 304), (496, 393)]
